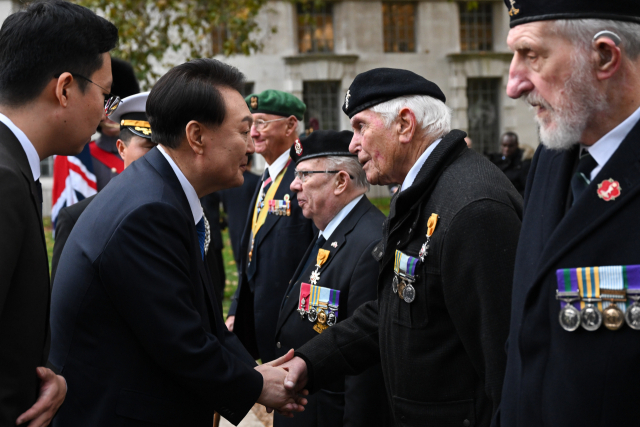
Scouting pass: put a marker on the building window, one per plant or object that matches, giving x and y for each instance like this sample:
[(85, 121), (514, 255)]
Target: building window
[(218, 37), (46, 167), (476, 27), (323, 105), (399, 27), (315, 27), (483, 98)]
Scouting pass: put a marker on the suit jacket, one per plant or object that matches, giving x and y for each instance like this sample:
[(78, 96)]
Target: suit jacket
[(555, 377), (355, 400), (135, 325), (442, 354), (24, 282), (279, 246), (67, 218)]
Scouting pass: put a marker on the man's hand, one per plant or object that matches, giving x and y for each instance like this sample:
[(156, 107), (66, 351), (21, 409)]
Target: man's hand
[(231, 320), (53, 390), (274, 395), (297, 377)]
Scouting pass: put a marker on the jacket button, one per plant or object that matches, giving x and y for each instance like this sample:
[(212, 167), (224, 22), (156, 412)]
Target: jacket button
[(466, 423), (278, 345), (398, 244)]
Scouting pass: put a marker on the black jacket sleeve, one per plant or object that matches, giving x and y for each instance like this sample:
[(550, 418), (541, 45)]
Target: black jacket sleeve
[(64, 225)]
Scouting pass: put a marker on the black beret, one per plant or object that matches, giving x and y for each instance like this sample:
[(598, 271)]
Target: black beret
[(124, 79), (380, 85), (322, 143), (524, 11)]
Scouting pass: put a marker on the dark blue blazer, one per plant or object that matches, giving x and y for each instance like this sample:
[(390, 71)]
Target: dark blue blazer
[(555, 377), (135, 326), (280, 245)]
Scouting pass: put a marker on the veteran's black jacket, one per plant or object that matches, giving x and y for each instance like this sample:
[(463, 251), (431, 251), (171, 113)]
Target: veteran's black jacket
[(351, 268), (580, 378), (279, 246), (442, 355)]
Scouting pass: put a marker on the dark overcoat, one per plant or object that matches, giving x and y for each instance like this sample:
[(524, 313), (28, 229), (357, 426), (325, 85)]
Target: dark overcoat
[(279, 246), (555, 377), (352, 400), (443, 354)]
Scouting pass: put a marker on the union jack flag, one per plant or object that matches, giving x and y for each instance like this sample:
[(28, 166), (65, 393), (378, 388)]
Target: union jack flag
[(73, 180)]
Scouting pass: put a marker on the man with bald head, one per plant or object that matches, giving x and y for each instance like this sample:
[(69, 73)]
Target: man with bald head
[(573, 347)]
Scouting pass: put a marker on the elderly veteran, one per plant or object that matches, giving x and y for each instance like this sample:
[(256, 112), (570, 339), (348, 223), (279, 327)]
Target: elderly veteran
[(338, 274), (276, 234), (446, 261), (133, 142), (574, 343)]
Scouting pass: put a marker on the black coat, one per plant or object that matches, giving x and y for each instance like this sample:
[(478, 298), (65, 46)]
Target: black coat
[(67, 218), (355, 400), (24, 282), (581, 378), (135, 326), (443, 354), (279, 246)]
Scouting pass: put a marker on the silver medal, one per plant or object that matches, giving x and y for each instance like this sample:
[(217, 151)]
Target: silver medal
[(569, 318), (331, 319), (590, 317), (409, 293), (632, 316), (394, 284), (313, 314)]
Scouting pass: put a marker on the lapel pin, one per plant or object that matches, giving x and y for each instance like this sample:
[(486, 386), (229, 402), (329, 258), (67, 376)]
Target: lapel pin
[(334, 244), (609, 189)]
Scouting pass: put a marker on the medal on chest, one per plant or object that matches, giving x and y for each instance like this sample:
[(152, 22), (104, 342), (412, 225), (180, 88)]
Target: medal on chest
[(323, 255), (431, 227), (320, 305), (404, 269)]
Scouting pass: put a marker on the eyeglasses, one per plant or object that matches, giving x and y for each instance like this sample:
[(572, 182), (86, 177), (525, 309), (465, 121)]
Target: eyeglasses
[(111, 101), (303, 175), (260, 124)]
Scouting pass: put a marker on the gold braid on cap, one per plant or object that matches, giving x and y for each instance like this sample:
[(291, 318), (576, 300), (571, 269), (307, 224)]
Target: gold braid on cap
[(139, 125)]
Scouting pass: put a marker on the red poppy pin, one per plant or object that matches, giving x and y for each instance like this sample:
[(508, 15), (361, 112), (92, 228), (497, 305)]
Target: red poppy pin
[(609, 189)]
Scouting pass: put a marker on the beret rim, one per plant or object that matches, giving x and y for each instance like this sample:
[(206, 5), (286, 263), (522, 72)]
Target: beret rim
[(370, 104), (579, 15), (326, 154), (275, 113)]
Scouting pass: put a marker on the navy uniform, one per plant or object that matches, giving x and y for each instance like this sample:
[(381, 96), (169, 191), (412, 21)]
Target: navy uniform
[(270, 257), (350, 269), (446, 259), (568, 363)]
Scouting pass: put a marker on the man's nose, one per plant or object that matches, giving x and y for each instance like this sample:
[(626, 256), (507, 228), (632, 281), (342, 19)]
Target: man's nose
[(519, 83), (296, 185)]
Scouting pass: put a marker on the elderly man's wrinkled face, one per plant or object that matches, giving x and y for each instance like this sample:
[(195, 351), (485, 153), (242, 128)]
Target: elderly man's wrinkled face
[(375, 146), (555, 78), (314, 191)]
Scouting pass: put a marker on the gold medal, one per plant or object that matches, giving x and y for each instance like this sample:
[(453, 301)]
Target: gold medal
[(612, 317), (401, 287), (322, 322)]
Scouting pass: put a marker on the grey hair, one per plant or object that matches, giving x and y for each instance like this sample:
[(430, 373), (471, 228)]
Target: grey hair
[(581, 32), (350, 165), (431, 113)]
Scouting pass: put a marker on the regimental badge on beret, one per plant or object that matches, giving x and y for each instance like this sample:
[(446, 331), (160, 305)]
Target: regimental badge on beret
[(513, 11), (346, 99), (254, 102), (298, 147), (276, 102), (322, 143)]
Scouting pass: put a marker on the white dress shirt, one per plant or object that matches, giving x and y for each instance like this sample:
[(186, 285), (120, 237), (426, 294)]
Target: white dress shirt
[(27, 146), (335, 222), (189, 191), (413, 172), (604, 148)]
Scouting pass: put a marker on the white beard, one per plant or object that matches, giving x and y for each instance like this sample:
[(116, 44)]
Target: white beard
[(579, 105)]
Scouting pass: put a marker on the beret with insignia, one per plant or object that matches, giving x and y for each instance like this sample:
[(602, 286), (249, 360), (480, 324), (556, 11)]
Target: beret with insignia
[(525, 11), (276, 102), (380, 85), (131, 114), (322, 143)]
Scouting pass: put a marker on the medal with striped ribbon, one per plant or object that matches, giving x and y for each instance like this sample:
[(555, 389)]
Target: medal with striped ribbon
[(405, 270)]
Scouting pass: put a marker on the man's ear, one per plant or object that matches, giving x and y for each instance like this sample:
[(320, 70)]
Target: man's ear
[(292, 125), (341, 183), (62, 86), (121, 147), (608, 58), (406, 124), (195, 131)]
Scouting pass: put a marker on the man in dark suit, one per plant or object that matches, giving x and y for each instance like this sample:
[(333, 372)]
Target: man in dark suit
[(134, 142), (330, 187), (446, 262), (55, 74), (135, 324), (572, 354), (511, 162), (274, 239)]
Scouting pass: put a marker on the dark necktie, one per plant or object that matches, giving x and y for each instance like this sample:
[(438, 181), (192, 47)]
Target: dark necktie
[(40, 198), (582, 176), (313, 255), (201, 235)]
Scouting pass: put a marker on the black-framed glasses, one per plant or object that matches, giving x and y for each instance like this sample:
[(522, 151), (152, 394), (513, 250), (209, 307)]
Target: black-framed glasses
[(260, 124), (302, 175), (111, 101)]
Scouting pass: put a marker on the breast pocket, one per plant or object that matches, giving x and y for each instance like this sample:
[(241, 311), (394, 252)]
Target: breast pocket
[(414, 314)]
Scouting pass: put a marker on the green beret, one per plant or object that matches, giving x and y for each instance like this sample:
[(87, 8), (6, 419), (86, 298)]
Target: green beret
[(276, 102)]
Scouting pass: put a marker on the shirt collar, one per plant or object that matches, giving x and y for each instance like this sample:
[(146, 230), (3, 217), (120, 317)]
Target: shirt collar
[(278, 165), (604, 148), (189, 191), (335, 222), (413, 172), (27, 146)]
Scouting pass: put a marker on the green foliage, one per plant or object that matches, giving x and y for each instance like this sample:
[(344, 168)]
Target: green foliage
[(153, 31)]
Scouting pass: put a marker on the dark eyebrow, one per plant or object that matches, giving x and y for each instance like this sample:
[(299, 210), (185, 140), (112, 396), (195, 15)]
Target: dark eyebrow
[(248, 119)]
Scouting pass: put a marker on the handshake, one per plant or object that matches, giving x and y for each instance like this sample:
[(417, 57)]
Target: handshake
[(283, 383)]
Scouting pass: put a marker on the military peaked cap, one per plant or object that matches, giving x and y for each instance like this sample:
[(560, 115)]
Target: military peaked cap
[(276, 102), (380, 85), (322, 143), (131, 114), (524, 11)]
